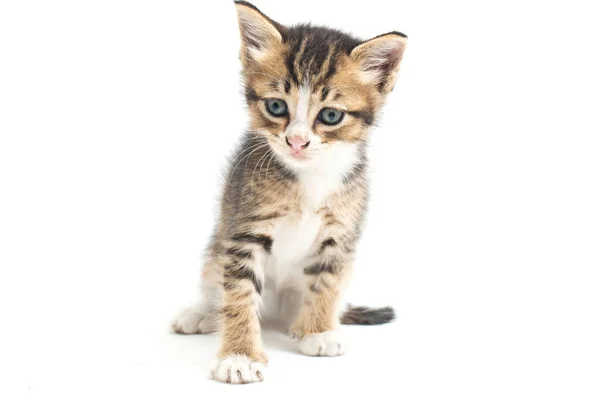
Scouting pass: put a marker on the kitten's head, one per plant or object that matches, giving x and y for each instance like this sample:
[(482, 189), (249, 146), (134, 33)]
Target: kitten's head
[(313, 92)]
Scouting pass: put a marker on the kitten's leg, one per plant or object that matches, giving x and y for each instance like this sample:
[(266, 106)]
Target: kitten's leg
[(317, 324), (241, 357), (202, 316)]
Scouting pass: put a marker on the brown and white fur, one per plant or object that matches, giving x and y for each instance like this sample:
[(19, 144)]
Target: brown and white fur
[(295, 195)]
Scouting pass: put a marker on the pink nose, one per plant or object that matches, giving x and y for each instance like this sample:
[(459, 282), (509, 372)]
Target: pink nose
[(297, 143)]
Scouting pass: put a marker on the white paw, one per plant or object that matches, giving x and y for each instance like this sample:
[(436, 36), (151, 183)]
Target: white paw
[(239, 369), (328, 344), (194, 320)]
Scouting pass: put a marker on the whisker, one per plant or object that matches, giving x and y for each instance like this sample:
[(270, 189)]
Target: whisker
[(245, 151), (273, 155), (256, 166), (261, 167), (233, 171)]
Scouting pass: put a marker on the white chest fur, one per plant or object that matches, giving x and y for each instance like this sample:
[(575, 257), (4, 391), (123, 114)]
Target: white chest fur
[(295, 236)]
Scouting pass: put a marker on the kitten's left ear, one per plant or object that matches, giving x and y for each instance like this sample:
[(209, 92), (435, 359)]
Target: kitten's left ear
[(379, 59), (259, 32)]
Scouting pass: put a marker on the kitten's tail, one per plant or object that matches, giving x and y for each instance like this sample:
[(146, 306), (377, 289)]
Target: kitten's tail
[(367, 316)]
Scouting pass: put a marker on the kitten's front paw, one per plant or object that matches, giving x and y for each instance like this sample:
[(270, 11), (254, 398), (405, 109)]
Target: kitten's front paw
[(329, 344), (239, 369)]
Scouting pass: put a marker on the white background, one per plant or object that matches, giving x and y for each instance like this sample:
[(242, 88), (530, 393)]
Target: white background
[(484, 232)]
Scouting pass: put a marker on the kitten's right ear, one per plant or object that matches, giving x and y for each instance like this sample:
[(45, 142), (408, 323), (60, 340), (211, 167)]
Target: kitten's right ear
[(259, 32)]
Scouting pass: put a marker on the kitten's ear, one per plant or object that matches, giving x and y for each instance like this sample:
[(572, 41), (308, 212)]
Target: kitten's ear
[(379, 59), (259, 32)]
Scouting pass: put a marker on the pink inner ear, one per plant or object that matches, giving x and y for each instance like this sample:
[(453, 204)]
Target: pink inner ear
[(385, 59), (396, 55)]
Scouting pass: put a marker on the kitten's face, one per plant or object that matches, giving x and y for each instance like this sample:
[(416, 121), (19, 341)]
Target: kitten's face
[(313, 92)]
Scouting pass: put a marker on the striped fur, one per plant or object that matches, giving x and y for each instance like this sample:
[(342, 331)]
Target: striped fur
[(289, 224)]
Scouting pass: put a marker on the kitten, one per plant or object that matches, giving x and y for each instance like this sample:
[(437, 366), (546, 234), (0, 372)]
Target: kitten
[(295, 195)]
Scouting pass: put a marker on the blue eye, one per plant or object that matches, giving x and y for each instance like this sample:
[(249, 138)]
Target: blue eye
[(330, 116), (276, 107)]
